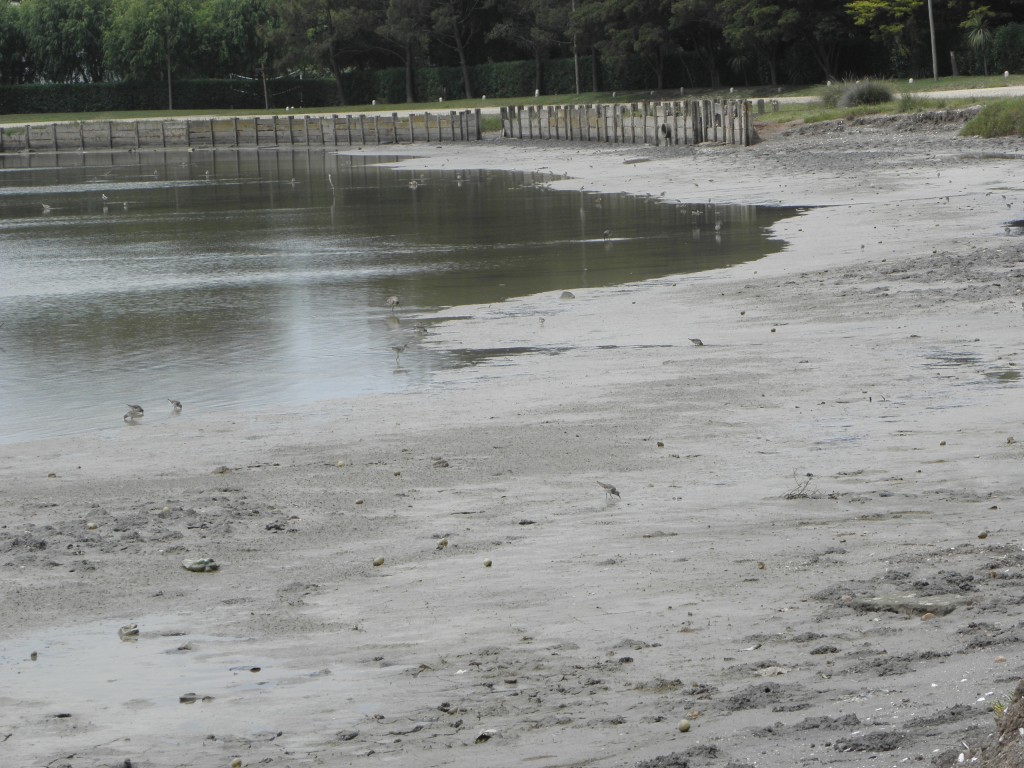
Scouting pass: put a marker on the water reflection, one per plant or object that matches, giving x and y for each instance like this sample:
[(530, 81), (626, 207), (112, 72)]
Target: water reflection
[(240, 278)]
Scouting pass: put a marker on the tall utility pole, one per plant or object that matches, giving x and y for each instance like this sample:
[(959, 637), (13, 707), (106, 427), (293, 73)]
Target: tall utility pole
[(931, 29), (576, 54)]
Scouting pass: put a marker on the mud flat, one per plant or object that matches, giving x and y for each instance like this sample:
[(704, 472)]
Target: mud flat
[(816, 558)]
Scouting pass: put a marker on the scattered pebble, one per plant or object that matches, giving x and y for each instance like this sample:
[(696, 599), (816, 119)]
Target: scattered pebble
[(129, 632), (236, 763), (927, 616), (91, 525), (33, 656), (487, 563), (379, 561), (983, 535), (52, 474), (684, 725), (442, 543), (1000, 659)]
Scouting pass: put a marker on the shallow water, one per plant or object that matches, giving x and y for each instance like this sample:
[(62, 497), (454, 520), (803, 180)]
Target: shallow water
[(238, 279)]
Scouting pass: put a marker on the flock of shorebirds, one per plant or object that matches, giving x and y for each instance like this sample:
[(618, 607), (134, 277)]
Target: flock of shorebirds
[(135, 412)]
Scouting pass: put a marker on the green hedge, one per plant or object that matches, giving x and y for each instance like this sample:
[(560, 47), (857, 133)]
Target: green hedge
[(495, 80)]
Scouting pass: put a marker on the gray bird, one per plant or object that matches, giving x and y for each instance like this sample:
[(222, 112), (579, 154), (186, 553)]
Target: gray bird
[(392, 301), (136, 411), (697, 342), (609, 490), (175, 405)]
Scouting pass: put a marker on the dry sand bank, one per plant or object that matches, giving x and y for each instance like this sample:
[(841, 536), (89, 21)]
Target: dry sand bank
[(870, 373)]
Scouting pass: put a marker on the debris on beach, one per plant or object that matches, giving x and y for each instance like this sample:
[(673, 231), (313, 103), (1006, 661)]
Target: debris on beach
[(202, 565)]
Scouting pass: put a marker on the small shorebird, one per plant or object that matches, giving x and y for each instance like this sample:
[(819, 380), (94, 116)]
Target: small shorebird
[(399, 349), (133, 413), (607, 233), (175, 405), (697, 342), (46, 208), (392, 301), (609, 490), (414, 184)]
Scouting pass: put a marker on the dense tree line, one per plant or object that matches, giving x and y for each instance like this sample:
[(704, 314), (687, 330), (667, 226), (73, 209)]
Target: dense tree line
[(690, 42)]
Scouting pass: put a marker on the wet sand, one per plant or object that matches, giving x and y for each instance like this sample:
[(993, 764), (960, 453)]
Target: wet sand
[(816, 558)]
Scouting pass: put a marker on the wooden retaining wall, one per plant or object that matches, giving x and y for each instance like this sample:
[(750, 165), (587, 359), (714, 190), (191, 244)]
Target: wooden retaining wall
[(726, 121), (262, 131)]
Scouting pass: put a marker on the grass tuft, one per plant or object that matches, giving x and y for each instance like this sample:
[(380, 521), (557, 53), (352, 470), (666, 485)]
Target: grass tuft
[(864, 92), (1001, 118)]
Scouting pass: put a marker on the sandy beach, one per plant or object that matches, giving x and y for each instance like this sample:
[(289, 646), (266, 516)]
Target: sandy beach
[(816, 557)]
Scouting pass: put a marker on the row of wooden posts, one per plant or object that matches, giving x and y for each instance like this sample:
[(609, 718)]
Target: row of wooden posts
[(259, 131), (692, 121)]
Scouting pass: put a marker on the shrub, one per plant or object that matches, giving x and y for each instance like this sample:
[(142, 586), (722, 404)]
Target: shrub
[(830, 99), (1001, 118), (865, 92), (1008, 48)]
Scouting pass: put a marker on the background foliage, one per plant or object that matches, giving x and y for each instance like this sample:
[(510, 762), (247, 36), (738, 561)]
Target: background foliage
[(68, 55)]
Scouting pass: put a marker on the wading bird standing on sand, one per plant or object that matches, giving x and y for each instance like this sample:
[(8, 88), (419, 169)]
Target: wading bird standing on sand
[(392, 301), (609, 490)]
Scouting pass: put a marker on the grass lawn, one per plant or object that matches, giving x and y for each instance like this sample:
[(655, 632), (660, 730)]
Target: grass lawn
[(903, 90)]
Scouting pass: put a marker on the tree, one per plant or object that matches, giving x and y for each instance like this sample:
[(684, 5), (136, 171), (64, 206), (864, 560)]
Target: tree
[(455, 24), (337, 35), (404, 31), (238, 37), (979, 32), (825, 28), (535, 26), (891, 22), (15, 65), (761, 26), (151, 40), (65, 38), (637, 27), (586, 25), (699, 24)]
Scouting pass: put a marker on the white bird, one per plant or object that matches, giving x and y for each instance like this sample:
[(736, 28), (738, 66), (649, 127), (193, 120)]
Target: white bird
[(175, 405), (609, 490)]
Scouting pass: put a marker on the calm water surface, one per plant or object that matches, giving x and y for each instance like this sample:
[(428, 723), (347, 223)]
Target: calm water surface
[(238, 279)]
